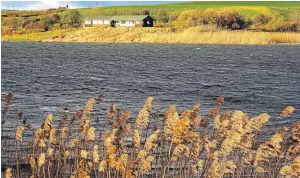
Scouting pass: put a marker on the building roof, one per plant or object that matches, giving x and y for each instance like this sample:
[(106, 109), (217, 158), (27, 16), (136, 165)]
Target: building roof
[(118, 17), (129, 17), (99, 18)]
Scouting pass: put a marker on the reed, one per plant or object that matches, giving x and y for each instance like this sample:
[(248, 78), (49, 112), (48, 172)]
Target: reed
[(284, 38), (205, 34), (178, 145)]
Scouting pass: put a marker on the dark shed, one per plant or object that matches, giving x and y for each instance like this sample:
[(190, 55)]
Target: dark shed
[(148, 21)]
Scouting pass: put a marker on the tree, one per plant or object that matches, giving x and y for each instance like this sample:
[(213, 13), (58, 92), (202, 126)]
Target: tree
[(230, 20), (144, 12), (12, 22), (174, 15), (262, 19), (162, 16), (47, 22), (72, 17), (55, 18)]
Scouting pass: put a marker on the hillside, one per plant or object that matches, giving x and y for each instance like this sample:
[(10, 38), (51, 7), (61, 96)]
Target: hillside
[(276, 7), (263, 16)]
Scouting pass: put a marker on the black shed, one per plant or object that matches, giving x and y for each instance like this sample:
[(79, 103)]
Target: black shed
[(148, 21)]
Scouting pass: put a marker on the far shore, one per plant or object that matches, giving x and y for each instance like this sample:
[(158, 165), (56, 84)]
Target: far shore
[(193, 35)]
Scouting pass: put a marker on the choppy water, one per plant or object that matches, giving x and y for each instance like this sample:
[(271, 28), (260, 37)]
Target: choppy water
[(46, 77)]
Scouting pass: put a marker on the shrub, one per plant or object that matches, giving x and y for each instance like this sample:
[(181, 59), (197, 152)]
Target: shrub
[(174, 15), (47, 22), (281, 25), (56, 26), (65, 26), (162, 16), (262, 19), (12, 22), (26, 22), (144, 12), (230, 20), (71, 17), (189, 18), (55, 18)]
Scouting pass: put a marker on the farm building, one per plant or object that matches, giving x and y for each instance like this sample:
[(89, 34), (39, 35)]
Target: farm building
[(97, 21), (120, 21)]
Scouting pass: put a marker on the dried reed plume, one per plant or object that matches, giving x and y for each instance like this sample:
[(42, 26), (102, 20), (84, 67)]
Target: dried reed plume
[(48, 122), (8, 173), (96, 154), (178, 145), (151, 142), (287, 111), (19, 133), (142, 119), (136, 139), (91, 134), (292, 170), (89, 106), (41, 160), (84, 154)]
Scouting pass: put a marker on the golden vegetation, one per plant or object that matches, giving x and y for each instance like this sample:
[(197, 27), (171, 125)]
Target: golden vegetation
[(178, 144), (8, 173), (292, 170), (19, 133), (287, 111), (193, 35)]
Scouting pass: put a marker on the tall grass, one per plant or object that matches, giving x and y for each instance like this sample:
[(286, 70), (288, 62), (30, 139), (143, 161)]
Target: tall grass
[(214, 37), (149, 145), (36, 36), (194, 35), (284, 37)]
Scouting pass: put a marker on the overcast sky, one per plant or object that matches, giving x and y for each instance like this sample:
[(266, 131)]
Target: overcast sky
[(36, 5)]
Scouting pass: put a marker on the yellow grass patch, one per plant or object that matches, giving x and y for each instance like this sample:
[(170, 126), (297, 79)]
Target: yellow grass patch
[(195, 35)]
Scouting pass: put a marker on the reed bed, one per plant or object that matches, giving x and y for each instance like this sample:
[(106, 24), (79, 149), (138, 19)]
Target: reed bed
[(206, 34), (151, 145), (212, 35)]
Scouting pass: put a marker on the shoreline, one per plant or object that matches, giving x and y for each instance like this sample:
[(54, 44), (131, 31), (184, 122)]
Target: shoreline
[(101, 43), (194, 35)]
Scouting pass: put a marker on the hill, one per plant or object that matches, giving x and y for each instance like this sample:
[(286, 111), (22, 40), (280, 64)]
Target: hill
[(275, 6), (255, 15)]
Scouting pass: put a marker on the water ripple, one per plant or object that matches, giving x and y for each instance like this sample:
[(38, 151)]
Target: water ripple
[(46, 77)]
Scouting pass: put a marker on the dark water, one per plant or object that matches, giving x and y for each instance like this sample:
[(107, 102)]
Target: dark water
[(48, 76)]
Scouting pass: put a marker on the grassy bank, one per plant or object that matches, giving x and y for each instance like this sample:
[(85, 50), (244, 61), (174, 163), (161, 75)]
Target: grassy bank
[(194, 35)]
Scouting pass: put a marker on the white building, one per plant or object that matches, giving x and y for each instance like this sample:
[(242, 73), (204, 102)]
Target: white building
[(97, 21), (120, 21)]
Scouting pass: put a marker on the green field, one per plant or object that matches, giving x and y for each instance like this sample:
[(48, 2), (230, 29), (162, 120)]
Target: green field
[(214, 4), (276, 6)]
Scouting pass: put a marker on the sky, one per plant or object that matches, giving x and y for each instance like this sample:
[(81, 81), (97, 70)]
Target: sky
[(37, 5)]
